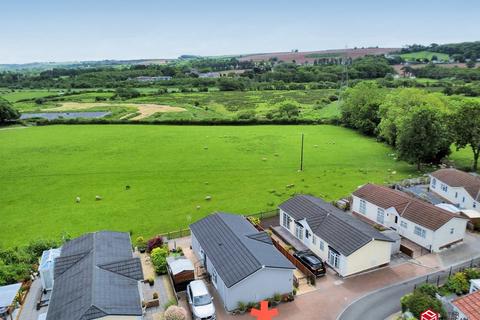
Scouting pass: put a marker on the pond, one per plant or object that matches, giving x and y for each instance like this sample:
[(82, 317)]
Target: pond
[(64, 115)]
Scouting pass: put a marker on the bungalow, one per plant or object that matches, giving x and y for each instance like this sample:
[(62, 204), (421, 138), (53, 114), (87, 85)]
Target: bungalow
[(97, 277), (345, 243), (458, 187), (243, 264), (423, 223)]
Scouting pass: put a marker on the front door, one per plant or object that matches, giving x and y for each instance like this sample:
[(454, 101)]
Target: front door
[(333, 258)]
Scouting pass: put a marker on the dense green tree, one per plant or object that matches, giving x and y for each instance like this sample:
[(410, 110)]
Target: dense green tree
[(360, 107), (423, 137), (466, 129), (289, 110), (7, 113), (398, 104)]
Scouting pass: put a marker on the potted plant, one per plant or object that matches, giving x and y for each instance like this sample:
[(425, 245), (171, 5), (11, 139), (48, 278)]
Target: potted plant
[(151, 281), (155, 296)]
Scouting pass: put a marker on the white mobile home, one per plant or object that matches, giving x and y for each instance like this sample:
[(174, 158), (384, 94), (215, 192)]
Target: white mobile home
[(345, 243), (457, 187), (243, 263), (423, 223)]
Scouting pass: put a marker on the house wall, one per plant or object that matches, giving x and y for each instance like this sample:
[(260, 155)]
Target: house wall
[(258, 286), (372, 212), (370, 256), (456, 195), (433, 240), (261, 285)]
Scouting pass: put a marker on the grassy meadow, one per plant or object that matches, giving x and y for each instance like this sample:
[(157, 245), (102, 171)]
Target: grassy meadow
[(170, 171), (425, 55), (313, 104)]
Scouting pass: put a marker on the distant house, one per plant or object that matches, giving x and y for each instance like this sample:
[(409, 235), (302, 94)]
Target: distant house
[(457, 187), (153, 79), (423, 223), (209, 75), (97, 277), (345, 243), (468, 306), (243, 263)]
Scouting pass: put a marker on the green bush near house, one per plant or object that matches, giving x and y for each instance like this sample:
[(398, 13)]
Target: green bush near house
[(418, 302), (159, 259), (458, 283)]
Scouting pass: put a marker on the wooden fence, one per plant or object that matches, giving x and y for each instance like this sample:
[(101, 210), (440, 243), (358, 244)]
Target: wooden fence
[(310, 276)]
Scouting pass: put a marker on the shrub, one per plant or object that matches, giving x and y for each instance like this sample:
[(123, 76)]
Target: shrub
[(169, 303), (277, 297), (418, 302), (175, 313), (155, 295), (141, 244), (472, 273), (159, 259), (155, 242), (254, 220), (458, 283), (428, 289), (151, 281), (242, 306)]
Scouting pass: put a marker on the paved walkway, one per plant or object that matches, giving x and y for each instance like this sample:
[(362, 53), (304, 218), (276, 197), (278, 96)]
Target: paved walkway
[(29, 309)]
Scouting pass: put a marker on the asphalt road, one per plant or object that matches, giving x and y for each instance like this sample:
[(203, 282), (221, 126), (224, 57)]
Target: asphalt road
[(382, 303)]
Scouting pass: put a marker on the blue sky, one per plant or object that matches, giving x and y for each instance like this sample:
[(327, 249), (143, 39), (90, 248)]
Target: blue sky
[(67, 30)]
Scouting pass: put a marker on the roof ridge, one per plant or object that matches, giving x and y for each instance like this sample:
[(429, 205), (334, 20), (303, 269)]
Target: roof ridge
[(240, 240)]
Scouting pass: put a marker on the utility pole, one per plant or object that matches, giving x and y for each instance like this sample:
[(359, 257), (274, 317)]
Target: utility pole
[(301, 156)]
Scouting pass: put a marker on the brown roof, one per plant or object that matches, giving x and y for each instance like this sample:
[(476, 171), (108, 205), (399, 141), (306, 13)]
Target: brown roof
[(457, 178), (413, 209), (469, 305)]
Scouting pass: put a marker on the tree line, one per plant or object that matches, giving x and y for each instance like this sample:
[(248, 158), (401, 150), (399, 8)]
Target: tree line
[(421, 126)]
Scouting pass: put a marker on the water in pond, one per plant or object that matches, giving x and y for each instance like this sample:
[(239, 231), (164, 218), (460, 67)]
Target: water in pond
[(64, 115)]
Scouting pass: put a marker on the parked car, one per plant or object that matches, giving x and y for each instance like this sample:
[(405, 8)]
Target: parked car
[(311, 261), (200, 301)]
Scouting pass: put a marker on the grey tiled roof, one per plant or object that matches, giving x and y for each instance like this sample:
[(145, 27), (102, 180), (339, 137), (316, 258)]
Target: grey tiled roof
[(235, 247), (344, 233), (96, 275)]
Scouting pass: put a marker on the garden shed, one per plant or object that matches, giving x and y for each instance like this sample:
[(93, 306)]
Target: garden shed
[(181, 271), (47, 265), (7, 300)]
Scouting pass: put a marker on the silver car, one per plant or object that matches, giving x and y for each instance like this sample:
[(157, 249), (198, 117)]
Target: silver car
[(200, 301)]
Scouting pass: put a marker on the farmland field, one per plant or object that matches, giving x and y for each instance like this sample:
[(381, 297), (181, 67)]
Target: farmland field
[(425, 55), (170, 171)]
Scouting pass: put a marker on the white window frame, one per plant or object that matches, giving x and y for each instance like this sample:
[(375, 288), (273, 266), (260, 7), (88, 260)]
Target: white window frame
[(420, 232), (322, 245), (434, 183), (403, 224), (452, 230), (299, 231), (314, 239), (286, 221), (363, 206), (380, 216), (444, 187), (334, 259)]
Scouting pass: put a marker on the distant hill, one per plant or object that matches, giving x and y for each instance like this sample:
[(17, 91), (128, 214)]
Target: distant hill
[(311, 56)]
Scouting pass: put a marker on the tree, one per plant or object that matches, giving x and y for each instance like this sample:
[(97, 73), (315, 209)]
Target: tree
[(289, 110), (418, 302), (471, 63), (466, 129), (159, 259), (423, 137), (360, 107), (7, 113)]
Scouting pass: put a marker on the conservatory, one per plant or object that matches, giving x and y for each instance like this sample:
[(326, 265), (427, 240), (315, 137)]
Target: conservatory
[(46, 268)]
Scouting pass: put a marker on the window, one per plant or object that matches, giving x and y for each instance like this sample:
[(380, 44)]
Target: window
[(463, 200), (380, 216), (299, 231), (434, 183), (420, 232), (403, 224), (334, 258), (322, 245), (314, 239), (363, 206), (474, 204), (456, 195), (452, 230), (214, 276), (286, 221), (444, 187), (307, 234)]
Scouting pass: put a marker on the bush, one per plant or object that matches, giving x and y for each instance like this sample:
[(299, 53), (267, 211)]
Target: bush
[(246, 115), (155, 242), (141, 244), (169, 303), (175, 313), (242, 306), (427, 289), (458, 283), (418, 302), (155, 295), (159, 259), (472, 273)]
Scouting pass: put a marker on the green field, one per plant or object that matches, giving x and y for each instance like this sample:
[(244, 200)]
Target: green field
[(171, 169), (313, 104), (425, 55)]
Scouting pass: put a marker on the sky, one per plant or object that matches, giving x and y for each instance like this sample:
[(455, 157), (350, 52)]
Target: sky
[(77, 30)]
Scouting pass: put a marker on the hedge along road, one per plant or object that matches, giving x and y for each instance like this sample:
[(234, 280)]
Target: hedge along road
[(384, 302)]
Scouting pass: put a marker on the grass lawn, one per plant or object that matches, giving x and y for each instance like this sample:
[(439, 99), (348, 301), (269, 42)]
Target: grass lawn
[(26, 94), (425, 55), (171, 169)]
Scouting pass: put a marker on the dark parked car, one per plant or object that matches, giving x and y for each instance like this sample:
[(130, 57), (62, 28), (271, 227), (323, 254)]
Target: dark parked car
[(311, 261)]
